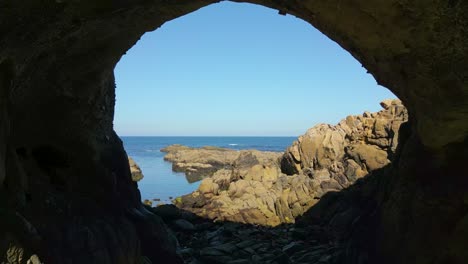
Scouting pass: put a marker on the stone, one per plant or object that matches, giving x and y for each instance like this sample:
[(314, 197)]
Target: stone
[(34, 259), (373, 157), (336, 156), (167, 212), (135, 170), (293, 247), (208, 186), (184, 225)]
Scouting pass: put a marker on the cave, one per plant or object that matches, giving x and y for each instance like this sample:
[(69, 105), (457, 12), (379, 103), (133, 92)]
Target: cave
[(66, 194)]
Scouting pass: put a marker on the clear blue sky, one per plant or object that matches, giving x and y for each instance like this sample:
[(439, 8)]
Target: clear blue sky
[(239, 70)]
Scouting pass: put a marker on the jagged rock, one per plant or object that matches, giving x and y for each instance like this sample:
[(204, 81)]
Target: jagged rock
[(198, 163), (336, 156), (253, 191), (57, 102), (137, 175), (327, 158)]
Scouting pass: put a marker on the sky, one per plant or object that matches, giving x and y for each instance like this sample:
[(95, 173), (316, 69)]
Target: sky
[(233, 69)]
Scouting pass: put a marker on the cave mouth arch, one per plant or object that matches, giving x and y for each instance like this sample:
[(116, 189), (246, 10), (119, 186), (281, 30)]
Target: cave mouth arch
[(184, 89), (59, 78)]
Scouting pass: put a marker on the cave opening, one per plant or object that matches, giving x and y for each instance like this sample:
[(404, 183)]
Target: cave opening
[(205, 79), (230, 70)]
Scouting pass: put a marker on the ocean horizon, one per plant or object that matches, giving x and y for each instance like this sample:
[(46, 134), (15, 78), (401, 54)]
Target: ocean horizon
[(160, 182)]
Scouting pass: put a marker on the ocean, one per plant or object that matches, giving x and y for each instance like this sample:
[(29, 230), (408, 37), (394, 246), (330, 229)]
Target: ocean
[(161, 182)]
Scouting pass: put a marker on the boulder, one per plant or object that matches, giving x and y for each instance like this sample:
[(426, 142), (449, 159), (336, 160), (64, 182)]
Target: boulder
[(137, 175)]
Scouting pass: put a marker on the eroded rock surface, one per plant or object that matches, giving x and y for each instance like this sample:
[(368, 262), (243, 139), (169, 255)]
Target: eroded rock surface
[(254, 189), (339, 155)]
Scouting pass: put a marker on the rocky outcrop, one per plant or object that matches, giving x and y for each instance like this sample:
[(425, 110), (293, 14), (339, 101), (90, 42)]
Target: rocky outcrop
[(198, 163), (254, 189), (338, 155), (135, 170)]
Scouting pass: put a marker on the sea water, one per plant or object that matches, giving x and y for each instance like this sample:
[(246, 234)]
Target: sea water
[(160, 182)]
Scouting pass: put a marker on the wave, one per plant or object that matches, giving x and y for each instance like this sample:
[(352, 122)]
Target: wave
[(233, 144)]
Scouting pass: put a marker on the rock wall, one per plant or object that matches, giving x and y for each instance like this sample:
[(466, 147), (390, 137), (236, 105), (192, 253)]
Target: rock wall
[(67, 189)]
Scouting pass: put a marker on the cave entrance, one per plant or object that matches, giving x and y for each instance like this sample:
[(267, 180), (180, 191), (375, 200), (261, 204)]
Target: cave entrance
[(67, 184), (226, 72)]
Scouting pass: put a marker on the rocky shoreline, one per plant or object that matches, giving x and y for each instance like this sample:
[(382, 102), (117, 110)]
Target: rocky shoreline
[(269, 188), (256, 207)]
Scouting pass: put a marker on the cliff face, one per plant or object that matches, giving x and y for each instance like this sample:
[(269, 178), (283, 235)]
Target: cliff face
[(65, 186)]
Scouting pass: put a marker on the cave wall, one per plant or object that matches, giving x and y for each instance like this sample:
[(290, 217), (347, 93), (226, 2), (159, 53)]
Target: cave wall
[(64, 172)]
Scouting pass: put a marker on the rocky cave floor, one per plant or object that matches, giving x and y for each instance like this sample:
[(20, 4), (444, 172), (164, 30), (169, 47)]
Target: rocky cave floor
[(204, 241)]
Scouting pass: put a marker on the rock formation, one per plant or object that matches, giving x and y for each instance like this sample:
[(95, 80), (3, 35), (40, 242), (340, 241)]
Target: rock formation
[(135, 170), (66, 193), (198, 163), (254, 190), (338, 155)]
